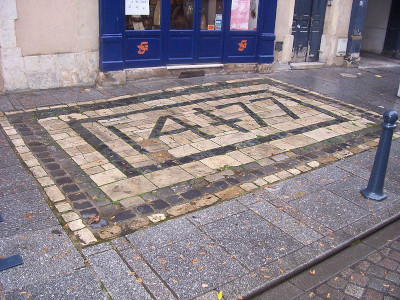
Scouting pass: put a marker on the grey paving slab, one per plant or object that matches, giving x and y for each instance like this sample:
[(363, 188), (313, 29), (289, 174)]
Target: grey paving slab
[(286, 223), (325, 269), (46, 253), (156, 287), (7, 158), (251, 198), (161, 235), (329, 209), (191, 268), (326, 175), (251, 239), (121, 243), (24, 212), (256, 278), (71, 95), (293, 188), (80, 284), (5, 104), (216, 212), (117, 278), (33, 99), (349, 188), (92, 250), (14, 179)]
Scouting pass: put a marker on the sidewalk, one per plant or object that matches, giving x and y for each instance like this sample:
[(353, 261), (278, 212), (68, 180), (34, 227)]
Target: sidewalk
[(236, 246)]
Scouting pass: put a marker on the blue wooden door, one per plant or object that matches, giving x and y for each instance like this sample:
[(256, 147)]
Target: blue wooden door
[(192, 36), (308, 24)]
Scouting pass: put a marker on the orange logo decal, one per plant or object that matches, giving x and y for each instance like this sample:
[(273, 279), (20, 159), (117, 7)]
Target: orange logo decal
[(143, 47), (242, 45)]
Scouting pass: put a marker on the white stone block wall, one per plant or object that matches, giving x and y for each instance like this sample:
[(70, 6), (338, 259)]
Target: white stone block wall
[(18, 72)]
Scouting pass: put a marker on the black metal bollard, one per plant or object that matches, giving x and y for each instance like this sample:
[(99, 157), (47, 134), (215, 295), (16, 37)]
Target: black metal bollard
[(376, 181), (11, 261)]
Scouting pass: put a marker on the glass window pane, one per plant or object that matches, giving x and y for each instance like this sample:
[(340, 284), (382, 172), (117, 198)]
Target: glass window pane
[(181, 14), (148, 21), (244, 14), (211, 14)]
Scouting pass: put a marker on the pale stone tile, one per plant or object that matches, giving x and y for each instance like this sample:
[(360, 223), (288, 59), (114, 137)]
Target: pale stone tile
[(85, 236), (169, 176), (299, 140), (132, 201), (303, 168), (38, 172), (183, 151), (45, 181), (321, 134), (287, 126), (197, 169), (220, 161), (239, 156), (248, 186), (107, 177), (76, 225), (282, 145), (70, 216), (181, 209), (271, 178), (260, 182), (261, 151), (205, 145), (128, 187), (155, 218), (54, 193), (313, 164), (294, 171), (283, 174), (63, 206)]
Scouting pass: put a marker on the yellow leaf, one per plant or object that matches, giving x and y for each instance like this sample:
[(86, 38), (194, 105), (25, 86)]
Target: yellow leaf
[(379, 76), (139, 280), (328, 296), (204, 285), (200, 268), (220, 295), (312, 272), (311, 294), (195, 261)]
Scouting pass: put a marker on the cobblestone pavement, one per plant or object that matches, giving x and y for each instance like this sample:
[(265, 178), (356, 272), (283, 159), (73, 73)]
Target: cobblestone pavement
[(369, 269), (110, 167), (283, 214), (374, 278)]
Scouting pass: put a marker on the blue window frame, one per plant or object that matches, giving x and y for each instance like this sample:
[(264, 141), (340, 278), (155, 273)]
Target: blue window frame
[(126, 48)]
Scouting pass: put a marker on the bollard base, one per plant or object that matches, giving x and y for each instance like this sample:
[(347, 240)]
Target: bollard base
[(10, 262), (373, 196)]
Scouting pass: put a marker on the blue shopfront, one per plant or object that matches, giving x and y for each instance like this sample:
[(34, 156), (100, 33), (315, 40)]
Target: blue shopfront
[(148, 33)]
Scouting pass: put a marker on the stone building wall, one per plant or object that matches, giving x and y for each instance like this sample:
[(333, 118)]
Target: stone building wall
[(48, 43)]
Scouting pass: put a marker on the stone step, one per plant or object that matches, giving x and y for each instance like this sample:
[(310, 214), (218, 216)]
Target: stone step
[(306, 65)]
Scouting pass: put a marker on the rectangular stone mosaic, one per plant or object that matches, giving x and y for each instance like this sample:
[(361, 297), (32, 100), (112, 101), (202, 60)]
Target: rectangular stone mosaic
[(116, 161)]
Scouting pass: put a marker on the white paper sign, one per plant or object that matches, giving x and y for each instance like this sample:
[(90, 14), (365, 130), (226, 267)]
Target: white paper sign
[(137, 7)]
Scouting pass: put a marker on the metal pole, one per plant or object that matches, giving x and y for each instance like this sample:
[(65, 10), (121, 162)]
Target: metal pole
[(376, 181)]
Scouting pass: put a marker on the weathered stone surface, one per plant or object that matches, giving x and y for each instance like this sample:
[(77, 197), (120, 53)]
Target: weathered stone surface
[(110, 232)]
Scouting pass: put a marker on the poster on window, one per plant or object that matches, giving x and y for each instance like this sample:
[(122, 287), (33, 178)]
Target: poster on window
[(240, 14), (137, 7)]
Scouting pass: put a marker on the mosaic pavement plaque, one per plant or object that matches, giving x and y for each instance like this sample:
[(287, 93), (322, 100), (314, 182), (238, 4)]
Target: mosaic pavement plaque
[(112, 165)]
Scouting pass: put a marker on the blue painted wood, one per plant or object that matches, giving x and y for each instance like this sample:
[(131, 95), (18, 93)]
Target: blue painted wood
[(111, 38), (120, 48), (10, 262), (357, 19)]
